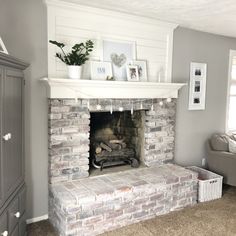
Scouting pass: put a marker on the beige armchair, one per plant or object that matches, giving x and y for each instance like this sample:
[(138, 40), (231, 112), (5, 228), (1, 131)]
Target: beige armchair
[(222, 163)]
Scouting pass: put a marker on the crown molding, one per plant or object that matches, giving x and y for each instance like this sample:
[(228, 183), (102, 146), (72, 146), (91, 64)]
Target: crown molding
[(100, 11)]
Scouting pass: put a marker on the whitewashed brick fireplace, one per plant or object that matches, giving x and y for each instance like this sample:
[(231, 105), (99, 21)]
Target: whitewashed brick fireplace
[(80, 204), (69, 128)]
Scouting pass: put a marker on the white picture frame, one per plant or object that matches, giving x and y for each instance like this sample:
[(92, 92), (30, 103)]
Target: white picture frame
[(2, 47), (119, 53), (132, 73), (100, 70), (197, 86), (198, 70), (142, 69)]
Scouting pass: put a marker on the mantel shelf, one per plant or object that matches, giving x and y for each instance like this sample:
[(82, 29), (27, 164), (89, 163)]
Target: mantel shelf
[(89, 89)]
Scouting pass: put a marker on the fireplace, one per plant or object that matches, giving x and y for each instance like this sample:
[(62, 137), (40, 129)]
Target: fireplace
[(116, 139), (145, 128), (86, 201), (124, 116)]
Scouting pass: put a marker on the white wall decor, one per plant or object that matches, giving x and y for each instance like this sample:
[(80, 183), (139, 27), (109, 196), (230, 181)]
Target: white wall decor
[(71, 23), (119, 53), (197, 86), (2, 47)]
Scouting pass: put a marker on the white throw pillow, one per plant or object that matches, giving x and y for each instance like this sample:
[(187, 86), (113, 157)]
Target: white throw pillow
[(232, 146)]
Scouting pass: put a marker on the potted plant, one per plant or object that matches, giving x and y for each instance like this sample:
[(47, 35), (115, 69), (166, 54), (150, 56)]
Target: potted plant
[(74, 59)]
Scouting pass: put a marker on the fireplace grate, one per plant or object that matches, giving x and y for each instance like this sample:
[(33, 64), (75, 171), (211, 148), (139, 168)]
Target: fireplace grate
[(111, 161)]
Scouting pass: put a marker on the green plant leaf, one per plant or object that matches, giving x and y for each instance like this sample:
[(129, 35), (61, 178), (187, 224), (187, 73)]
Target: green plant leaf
[(78, 55), (60, 45)]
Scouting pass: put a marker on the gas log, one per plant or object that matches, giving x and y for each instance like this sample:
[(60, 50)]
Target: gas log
[(113, 152), (109, 146), (105, 147)]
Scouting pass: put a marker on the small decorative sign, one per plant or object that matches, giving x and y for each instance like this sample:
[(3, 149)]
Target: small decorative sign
[(197, 86), (100, 70)]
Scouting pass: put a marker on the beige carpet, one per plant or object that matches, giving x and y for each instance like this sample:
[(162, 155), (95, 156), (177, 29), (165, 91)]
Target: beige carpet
[(215, 218)]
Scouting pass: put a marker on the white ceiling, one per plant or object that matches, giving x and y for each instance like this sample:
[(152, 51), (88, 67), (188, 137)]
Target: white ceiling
[(214, 16)]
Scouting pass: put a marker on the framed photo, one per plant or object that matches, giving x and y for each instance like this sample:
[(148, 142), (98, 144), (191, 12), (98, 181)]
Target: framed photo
[(132, 73), (197, 86), (196, 100), (119, 53), (142, 70), (100, 70), (2, 47), (198, 70)]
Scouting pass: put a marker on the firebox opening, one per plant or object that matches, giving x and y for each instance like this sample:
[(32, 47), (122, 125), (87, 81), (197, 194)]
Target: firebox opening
[(116, 140)]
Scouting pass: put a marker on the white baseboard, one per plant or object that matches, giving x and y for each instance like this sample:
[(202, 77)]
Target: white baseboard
[(37, 219)]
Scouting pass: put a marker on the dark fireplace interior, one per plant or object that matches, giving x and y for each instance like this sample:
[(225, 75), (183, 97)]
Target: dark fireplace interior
[(116, 139)]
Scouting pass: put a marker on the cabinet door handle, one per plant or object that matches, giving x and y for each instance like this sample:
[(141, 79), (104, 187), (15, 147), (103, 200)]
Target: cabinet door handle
[(5, 233), (7, 137), (17, 215)]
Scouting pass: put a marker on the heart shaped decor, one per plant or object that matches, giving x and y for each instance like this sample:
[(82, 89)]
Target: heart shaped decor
[(119, 61)]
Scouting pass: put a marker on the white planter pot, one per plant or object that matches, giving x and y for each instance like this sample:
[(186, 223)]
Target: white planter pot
[(74, 72)]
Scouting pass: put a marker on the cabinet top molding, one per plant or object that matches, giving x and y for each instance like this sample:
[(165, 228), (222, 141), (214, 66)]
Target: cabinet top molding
[(11, 61), (90, 89)]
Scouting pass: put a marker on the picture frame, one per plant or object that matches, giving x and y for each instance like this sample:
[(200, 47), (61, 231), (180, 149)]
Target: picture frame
[(119, 53), (2, 47), (197, 86), (100, 70), (132, 73), (142, 69), (198, 70)]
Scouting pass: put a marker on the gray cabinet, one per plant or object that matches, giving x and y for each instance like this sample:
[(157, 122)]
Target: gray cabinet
[(12, 188), (1, 174), (12, 149)]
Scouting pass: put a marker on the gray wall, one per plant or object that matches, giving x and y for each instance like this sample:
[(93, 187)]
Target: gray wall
[(195, 127), (23, 30)]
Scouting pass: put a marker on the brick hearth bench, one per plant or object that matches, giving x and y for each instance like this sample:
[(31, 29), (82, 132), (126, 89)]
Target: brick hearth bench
[(97, 204)]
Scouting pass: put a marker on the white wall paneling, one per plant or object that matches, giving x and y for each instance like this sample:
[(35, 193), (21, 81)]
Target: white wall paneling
[(71, 23), (213, 16)]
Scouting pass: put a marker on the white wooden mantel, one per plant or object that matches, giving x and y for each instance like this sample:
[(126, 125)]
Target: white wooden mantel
[(89, 89)]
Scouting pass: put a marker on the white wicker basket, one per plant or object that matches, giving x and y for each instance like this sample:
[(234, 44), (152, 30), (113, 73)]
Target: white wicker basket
[(209, 184)]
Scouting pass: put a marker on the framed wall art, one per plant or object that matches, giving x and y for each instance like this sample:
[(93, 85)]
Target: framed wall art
[(119, 53), (2, 47), (197, 86), (142, 70), (132, 73)]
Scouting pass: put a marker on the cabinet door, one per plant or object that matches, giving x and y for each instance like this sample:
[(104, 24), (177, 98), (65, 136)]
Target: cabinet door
[(15, 232), (22, 226), (3, 223), (1, 160), (12, 210), (22, 200), (12, 144)]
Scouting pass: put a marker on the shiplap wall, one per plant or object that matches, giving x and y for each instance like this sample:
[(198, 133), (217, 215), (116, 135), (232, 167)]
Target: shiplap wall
[(72, 23)]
